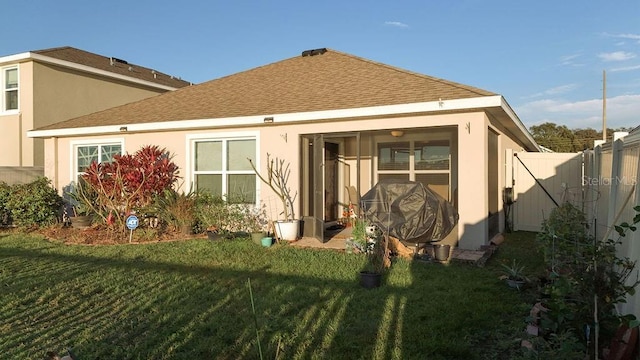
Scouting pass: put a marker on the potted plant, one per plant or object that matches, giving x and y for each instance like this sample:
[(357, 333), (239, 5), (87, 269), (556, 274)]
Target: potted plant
[(514, 274), (257, 221), (277, 178), (378, 260), (81, 199), (359, 236)]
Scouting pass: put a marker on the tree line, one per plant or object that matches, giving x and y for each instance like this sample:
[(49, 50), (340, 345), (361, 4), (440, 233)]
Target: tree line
[(560, 138)]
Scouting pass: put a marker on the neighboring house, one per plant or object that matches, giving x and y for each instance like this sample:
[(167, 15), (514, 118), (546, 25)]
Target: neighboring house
[(340, 120), (44, 87)]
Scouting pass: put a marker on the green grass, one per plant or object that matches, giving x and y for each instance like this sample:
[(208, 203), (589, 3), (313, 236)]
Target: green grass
[(190, 300)]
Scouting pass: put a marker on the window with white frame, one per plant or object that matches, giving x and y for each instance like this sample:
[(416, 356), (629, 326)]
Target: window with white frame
[(85, 154), (220, 166), (425, 161), (9, 79)]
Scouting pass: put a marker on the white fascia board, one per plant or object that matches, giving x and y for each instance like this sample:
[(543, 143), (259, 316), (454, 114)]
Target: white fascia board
[(14, 58), (432, 106), (22, 57), (516, 120)]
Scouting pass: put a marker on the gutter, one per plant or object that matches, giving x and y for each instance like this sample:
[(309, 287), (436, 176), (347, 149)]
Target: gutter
[(477, 103)]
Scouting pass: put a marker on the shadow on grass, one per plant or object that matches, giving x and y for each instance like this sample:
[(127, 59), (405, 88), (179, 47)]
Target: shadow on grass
[(125, 305)]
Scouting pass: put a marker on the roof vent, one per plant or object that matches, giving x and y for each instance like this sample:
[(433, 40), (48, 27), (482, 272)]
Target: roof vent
[(116, 60), (314, 52)]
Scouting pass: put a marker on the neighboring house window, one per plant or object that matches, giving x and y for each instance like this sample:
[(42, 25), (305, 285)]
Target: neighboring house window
[(9, 79), (428, 162), (220, 166), (85, 154)]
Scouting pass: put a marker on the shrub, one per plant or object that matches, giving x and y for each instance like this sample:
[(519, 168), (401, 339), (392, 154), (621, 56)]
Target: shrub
[(176, 209), (35, 203), (5, 212), (130, 182), (587, 279)]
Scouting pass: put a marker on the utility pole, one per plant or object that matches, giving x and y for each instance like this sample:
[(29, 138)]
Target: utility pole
[(604, 105)]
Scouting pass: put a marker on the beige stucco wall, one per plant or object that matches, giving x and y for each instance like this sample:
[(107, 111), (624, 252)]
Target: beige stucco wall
[(49, 94), (283, 141), (16, 148)]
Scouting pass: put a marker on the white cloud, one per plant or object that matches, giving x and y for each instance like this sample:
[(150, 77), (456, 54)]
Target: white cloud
[(626, 68), (628, 36), (635, 37), (616, 56), (562, 89), (622, 111), (396, 23), (569, 59)]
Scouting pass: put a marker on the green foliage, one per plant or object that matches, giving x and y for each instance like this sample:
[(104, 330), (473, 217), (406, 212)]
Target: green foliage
[(5, 212), (560, 138), (34, 204), (176, 209), (563, 237), (563, 345), (83, 199), (359, 233), (227, 217), (585, 275), (515, 271), (378, 260)]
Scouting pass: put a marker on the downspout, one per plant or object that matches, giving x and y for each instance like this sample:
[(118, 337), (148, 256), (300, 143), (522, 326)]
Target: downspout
[(55, 163)]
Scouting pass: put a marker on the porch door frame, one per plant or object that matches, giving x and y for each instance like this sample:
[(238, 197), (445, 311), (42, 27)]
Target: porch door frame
[(315, 191), (317, 209)]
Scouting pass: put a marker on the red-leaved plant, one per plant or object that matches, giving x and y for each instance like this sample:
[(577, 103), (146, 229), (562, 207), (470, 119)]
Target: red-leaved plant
[(130, 182)]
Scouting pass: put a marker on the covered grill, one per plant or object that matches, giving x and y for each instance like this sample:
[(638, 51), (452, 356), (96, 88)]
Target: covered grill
[(409, 210)]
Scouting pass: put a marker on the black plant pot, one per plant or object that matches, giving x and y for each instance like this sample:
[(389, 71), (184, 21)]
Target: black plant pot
[(370, 280)]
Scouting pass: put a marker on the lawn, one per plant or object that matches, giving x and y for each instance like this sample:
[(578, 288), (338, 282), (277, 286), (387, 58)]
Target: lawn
[(190, 300)]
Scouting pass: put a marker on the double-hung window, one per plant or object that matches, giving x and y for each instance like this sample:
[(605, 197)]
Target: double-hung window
[(220, 166), (9, 80), (85, 154)]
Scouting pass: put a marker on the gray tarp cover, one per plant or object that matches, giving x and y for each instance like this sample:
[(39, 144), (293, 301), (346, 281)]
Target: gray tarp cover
[(417, 212)]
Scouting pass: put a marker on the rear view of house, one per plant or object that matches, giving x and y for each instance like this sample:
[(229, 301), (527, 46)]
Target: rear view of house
[(341, 121), (44, 87)]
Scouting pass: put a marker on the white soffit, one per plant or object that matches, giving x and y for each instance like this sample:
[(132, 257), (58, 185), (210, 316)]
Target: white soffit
[(432, 107)]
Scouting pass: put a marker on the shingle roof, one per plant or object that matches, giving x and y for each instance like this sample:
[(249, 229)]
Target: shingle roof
[(328, 81), (111, 64)]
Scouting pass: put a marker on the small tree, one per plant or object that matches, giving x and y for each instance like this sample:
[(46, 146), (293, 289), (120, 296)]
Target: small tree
[(277, 178), (130, 182)]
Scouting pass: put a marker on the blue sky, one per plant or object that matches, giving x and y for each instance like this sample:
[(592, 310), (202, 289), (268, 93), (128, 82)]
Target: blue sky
[(545, 57)]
